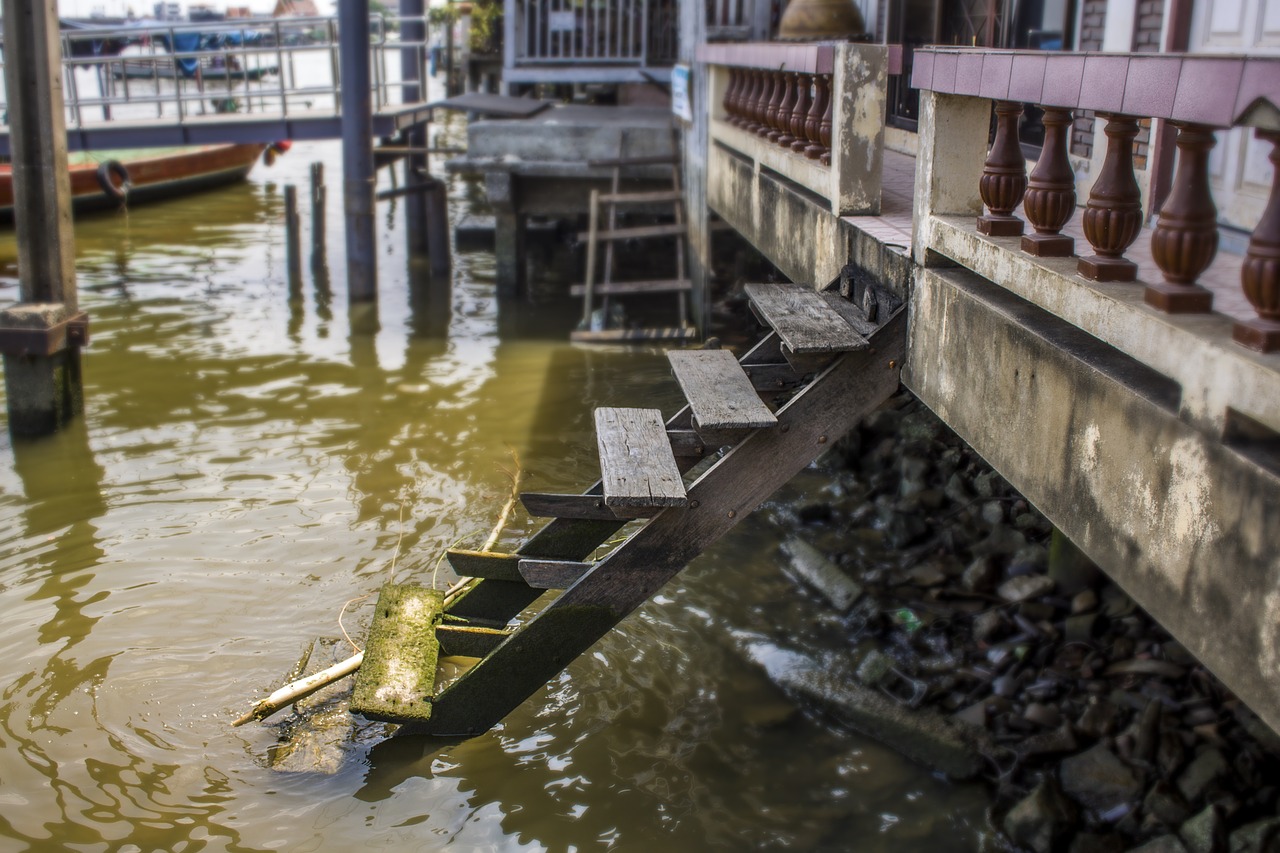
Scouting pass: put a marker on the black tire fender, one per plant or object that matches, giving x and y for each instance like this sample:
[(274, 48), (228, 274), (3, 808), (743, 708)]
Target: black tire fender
[(109, 169)]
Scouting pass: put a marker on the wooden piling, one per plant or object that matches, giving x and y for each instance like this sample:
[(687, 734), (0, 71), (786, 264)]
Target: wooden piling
[(319, 194), (293, 241)]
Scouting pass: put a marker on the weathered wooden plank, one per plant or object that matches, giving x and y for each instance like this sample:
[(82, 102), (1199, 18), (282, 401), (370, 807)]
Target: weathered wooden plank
[(468, 640), (686, 444), (543, 505), (398, 675), (659, 285), (653, 160), (637, 232), (729, 490), (636, 463), (484, 564), (494, 105), (803, 319), (553, 574), (718, 391)]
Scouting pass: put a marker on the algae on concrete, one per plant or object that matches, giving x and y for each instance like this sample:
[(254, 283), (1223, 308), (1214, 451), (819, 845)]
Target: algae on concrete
[(396, 680)]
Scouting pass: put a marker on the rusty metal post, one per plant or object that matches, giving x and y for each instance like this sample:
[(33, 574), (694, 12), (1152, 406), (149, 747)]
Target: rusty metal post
[(358, 174), (41, 335)]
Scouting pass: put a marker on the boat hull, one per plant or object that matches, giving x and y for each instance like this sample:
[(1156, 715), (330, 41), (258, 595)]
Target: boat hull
[(151, 177)]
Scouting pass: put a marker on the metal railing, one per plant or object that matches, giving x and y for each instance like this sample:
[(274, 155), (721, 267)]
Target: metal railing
[(613, 32), (277, 67)]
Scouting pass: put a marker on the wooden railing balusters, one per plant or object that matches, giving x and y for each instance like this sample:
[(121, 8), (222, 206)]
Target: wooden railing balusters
[(782, 135), (1185, 238), (1113, 214), (1260, 273), (1050, 199), (1004, 175), (824, 127), (800, 113), (768, 125), (813, 122)]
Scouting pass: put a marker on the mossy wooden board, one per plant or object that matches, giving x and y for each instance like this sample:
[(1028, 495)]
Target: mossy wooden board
[(396, 680)]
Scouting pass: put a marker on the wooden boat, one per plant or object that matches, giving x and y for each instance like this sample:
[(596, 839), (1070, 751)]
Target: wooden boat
[(106, 179)]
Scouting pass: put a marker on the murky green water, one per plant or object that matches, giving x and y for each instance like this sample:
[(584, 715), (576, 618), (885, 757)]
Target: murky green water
[(245, 466)]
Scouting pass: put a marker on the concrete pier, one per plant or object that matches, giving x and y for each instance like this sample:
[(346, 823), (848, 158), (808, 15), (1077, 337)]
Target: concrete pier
[(40, 337)]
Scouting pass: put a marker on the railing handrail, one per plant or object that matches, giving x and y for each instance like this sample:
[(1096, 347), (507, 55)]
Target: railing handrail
[(1215, 90)]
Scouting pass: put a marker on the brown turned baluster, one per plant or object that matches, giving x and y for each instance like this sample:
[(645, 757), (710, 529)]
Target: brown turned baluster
[(1004, 175), (730, 93), (751, 112), (1050, 200), (782, 135), (800, 113), (1260, 273), (1185, 238), (776, 84), (1113, 214), (824, 128), (818, 109)]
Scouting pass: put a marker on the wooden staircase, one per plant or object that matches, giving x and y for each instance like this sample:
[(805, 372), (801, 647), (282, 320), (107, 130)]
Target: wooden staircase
[(595, 326), (823, 368)]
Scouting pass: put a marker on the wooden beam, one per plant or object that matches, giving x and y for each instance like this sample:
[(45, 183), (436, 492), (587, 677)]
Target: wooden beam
[(553, 574)]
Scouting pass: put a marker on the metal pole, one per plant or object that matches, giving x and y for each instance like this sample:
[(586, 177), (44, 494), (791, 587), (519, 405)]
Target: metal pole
[(413, 30), (41, 334), (358, 174)]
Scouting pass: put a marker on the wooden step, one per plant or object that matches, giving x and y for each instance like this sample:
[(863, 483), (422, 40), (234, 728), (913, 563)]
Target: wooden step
[(542, 505), (803, 319), (490, 565), (553, 574), (631, 336), (637, 468), (653, 197), (637, 232), (653, 160), (662, 285), (719, 392), (397, 678)]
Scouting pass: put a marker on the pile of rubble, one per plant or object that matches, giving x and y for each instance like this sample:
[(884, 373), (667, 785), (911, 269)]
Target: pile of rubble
[(972, 650)]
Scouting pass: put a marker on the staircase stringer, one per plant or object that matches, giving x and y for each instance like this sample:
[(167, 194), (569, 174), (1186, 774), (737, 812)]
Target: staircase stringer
[(837, 399)]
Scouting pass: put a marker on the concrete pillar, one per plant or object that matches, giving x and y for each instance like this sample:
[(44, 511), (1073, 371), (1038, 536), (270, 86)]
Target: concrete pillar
[(508, 236), (42, 333), (358, 175), (953, 145)]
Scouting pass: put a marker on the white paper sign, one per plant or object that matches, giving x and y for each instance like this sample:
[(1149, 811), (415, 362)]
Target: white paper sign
[(681, 104)]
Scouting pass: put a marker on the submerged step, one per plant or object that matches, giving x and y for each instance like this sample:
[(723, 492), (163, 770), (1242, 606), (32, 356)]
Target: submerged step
[(661, 285), (720, 394), (396, 681), (637, 467), (804, 321)]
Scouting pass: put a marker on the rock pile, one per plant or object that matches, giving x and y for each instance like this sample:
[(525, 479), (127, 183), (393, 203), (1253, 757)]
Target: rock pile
[(1101, 732)]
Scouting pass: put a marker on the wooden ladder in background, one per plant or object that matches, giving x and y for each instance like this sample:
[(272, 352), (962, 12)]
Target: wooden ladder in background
[(597, 325), (823, 368)]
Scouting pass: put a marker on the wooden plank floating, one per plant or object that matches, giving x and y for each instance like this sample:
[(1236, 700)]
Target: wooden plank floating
[(637, 467), (553, 574), (484, 564), (718, 391), (803, 319), (661, 285), (541, 505), (396, 680)]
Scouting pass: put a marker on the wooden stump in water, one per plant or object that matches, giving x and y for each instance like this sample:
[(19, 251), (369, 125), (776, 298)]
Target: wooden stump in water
[(396, 680)]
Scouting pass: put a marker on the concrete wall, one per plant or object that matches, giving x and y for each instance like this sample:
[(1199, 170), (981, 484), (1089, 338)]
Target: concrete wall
[(1185, 524)]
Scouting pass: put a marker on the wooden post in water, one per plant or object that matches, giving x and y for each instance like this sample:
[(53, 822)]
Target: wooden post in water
[(40, 337), (293, 241), (358, 174), (318, 197)]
